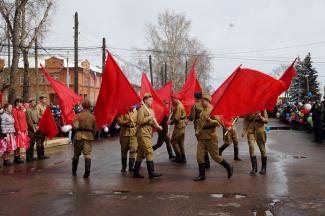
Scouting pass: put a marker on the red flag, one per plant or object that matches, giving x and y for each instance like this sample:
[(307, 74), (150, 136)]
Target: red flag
[(286, 80), (186, 94), (198, 87), (116, 93), (47, 124), (245, 91), (165, 93), (67, 98), (158, 105)]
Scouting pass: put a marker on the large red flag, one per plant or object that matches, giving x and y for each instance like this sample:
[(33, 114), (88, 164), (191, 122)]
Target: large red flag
[(47, 124), (186, 94), (158, 106), (116, 93), (244, 92), (165, 93), (286, 80), (67, 98), (198, 87)]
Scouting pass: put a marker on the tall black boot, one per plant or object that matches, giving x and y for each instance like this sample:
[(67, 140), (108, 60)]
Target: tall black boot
[(131, 164), (228, 167), (28, 155), (201, 176), (264, 161), (236, 152), (18, 160), (7, 163), (254, 166), (74, 167), (151, 170), (87, 167), (136, 172), (207, 160), (177, 159), (183, 159), (124, 164), (43, 153), (170, 153), (39, 153), (222, 148)]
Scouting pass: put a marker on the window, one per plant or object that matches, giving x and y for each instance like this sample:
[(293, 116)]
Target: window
[(56, 76), (21, 80), (41, 79)]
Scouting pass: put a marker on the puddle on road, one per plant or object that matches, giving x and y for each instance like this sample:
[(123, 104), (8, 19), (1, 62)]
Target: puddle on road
[(9, 191), (263, 213), (230, 195), (118, 192), (285, 156)]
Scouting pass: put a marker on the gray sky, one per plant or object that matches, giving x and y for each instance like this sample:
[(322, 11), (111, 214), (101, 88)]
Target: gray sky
[(223, 26)]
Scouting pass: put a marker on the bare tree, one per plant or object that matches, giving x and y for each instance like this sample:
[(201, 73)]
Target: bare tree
[(170, 43), (35, 19)]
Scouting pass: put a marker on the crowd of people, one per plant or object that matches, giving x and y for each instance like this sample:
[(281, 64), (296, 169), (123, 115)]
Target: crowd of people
[(19, 130), (308, 116)]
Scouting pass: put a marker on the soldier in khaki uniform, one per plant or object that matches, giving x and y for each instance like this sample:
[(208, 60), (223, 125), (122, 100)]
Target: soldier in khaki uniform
[(32, 118), (230, 136), (145, 123), (195, 116), (164, 137), (128, 138), (85, 126), (208, 140), (254, 128), (179, 120), (40, 137)]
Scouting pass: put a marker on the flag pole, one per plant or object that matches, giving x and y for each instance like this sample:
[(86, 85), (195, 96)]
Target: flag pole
[(154, 119)]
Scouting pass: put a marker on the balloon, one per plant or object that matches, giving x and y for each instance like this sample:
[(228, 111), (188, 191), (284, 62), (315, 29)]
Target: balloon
[(301, 115), (299, 104), (278, 115), (287, 115), (309, 94), (66, 128), (307, 106), (117, 126), (301, 121), (310, 120), (106, 129)]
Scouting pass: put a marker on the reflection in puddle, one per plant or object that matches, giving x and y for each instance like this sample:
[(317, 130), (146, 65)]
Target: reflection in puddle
[(263, 213), (229, 195)]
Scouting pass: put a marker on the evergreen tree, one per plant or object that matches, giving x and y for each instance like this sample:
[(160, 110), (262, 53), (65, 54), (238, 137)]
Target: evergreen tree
[(305, 85)]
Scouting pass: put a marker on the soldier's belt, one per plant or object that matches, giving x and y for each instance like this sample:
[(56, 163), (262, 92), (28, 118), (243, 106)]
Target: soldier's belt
[(85, 129), (182, 118), (208, 127)]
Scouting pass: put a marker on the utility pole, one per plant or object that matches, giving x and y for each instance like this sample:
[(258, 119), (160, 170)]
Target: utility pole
[(165, 72), (76, 80), (162, 75), (36, 69), (103, 54), (150, 66)]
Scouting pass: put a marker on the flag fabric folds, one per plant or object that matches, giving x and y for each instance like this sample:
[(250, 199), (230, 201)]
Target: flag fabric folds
[(165, 93), (67, 97), (158, 105), (186, 94), (116, 93), (47, 124)]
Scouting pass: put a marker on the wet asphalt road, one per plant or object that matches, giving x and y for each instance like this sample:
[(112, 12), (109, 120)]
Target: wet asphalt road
[(294, 184)]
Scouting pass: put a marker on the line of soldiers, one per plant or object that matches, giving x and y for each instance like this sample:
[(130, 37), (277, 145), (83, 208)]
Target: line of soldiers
[(137, 129)]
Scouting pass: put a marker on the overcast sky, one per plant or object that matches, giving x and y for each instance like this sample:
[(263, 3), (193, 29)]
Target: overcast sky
[(223, 26)]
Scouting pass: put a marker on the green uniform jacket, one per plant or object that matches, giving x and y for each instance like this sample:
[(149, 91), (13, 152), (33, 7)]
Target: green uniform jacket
[(253, 124), (128, 128), (195, 112), (208, 129), (86, 126), (179, 116), (145, 122), (32, 118)]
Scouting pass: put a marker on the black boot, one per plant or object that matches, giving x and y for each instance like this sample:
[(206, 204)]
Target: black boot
[(177, 159), (154, 147), (18, 160), (254, 166), (74, 167), (236, 152), (39, 153), (43, 153), (264, 161), (201, 176), (170, 153), (124, 164), (222, 148), (151, 170), (7, 163), (228, 167), (87, 167), (183, 159), (207, 160), (136, 172), (131, 164)]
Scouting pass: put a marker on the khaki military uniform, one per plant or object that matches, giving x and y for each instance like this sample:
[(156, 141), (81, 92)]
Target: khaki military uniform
[(254, 127), (128, 138), (145, 123), (40, 137), (195, 112), (207, 136), (163, 134), (231, 136), (32, 118), (85, 125), (179, 119)]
